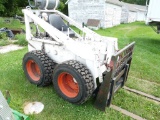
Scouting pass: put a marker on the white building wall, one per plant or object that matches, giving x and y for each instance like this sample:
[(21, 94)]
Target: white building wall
[(132, 16), (82, 10), (141, 15), (112, 15), (124, 15)]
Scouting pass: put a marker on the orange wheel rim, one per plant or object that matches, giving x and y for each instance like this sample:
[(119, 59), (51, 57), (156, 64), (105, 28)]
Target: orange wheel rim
[(68, 85), (33, 70)]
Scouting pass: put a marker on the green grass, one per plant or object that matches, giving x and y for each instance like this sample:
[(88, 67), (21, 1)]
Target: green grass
[(144, 76), (13, 24), (21, 39), (136, 104), (5, 42), (13, 79), (144, 86), (4, 39), (146, 54)]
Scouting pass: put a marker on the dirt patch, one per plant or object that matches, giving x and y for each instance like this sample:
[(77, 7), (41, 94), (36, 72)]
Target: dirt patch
[(8, 48)]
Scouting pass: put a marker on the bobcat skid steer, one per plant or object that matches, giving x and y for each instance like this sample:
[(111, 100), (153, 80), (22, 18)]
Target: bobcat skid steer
[(78, 64)]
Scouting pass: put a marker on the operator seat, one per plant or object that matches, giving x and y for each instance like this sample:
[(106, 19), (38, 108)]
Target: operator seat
[(57, 22)]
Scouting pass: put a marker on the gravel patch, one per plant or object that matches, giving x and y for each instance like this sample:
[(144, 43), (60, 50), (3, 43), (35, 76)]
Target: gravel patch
[(8, 48)]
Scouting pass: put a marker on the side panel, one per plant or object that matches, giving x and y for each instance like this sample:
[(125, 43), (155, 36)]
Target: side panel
[(153, 14), (85, 53)]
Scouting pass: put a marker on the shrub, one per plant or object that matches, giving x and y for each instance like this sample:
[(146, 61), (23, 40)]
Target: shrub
[(4, 42), (4, 39), (21, 39), (3, 36)]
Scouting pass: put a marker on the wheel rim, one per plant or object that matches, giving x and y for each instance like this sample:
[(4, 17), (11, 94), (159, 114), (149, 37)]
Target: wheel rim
[(68, 85), (33, 70)]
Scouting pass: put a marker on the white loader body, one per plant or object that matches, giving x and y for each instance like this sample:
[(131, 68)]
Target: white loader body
[(94, 51), (79, 64)]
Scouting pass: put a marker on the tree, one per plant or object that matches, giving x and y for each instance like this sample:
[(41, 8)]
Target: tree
[(9, 8), (2, 7), (63, 8), (139, 2)]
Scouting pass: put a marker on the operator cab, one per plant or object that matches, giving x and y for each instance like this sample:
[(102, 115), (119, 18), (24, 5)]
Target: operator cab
[(57, 22), (54, 19)]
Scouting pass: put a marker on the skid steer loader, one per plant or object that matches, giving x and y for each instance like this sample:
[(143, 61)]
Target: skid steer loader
[(79, 64)]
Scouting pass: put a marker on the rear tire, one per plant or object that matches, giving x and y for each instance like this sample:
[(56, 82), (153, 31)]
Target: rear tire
[(73, 82), (38, 68)]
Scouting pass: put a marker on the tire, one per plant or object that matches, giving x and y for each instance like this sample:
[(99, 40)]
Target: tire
[(73, 82), (38, 68)]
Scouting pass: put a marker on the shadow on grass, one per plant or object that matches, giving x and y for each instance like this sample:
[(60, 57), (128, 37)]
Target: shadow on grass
[(146, 44)]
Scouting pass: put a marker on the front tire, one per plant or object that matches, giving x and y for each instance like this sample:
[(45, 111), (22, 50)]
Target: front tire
[(38, 68), (73, 82)]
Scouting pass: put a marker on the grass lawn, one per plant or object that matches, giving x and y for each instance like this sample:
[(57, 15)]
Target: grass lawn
[(144, 76), (146, 55), (12, 24)]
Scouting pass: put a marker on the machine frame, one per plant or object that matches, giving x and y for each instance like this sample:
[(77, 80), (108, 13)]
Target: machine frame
[(108, 65)]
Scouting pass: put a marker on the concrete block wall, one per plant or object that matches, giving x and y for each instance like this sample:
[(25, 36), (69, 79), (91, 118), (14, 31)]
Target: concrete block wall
[(112, 15), (82, 10)]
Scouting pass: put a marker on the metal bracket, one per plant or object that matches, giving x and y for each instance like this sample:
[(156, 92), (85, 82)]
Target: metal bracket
[(43, 47), (157, 30), (103, 92), (115, 78)]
